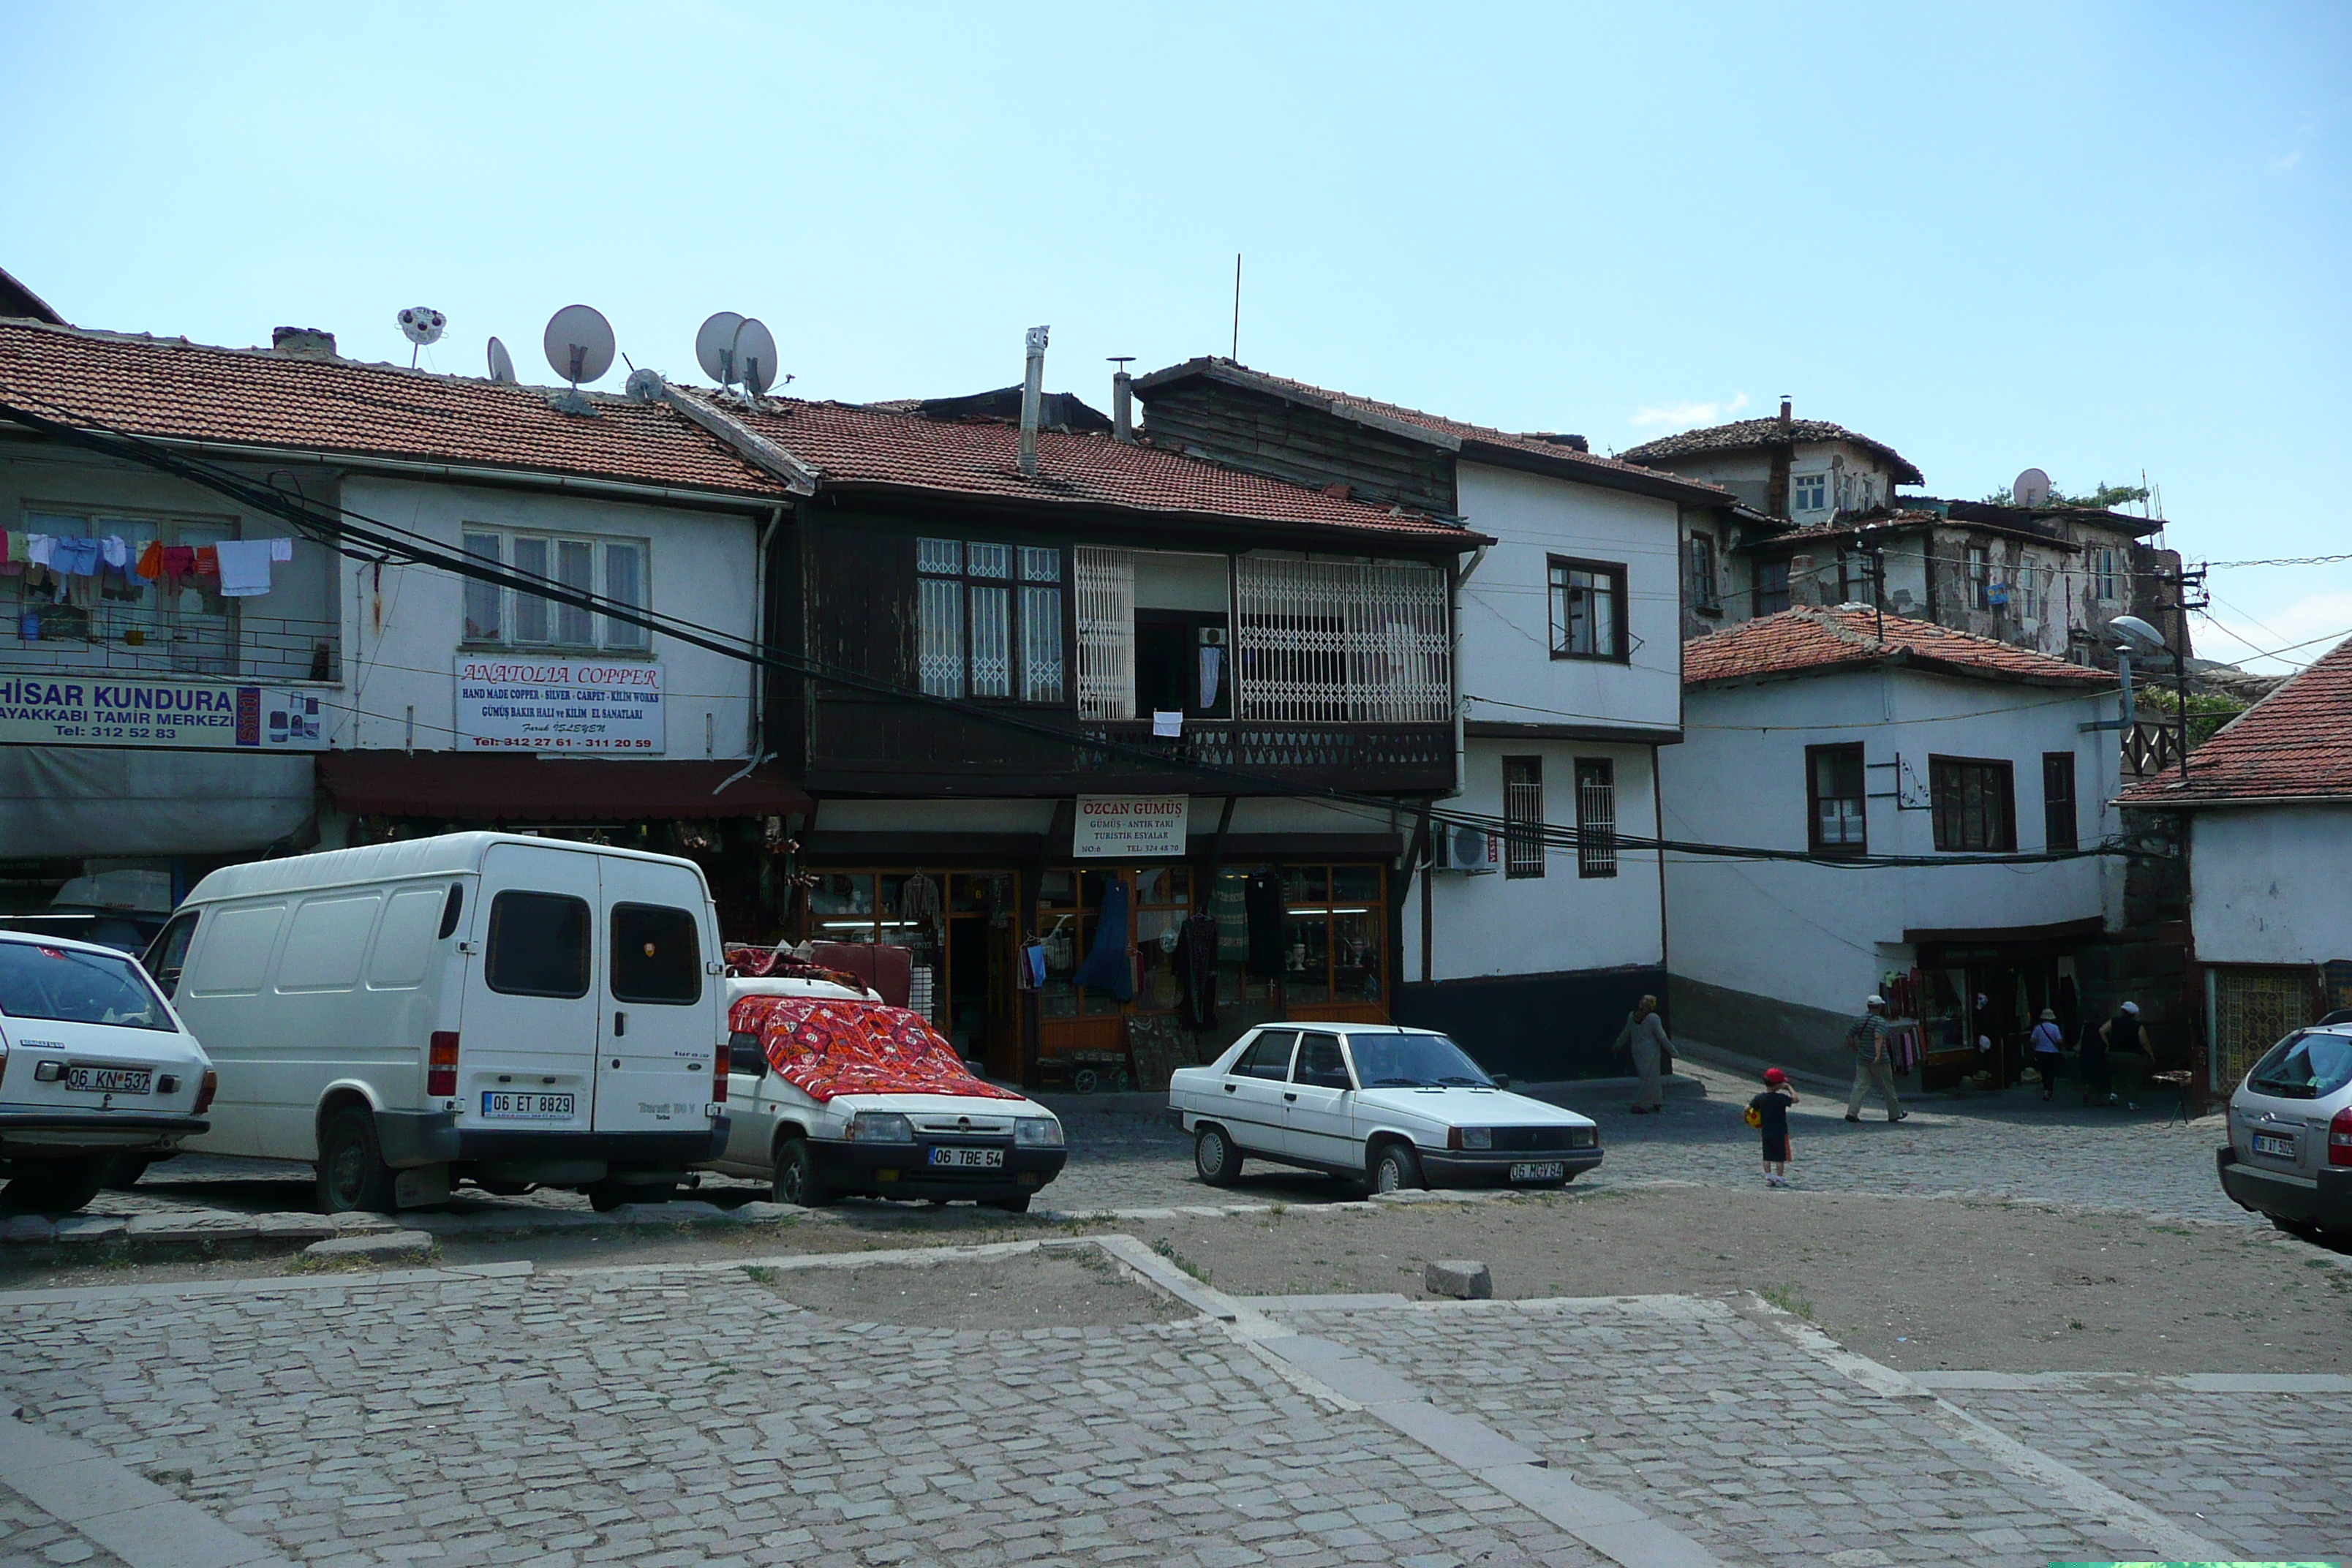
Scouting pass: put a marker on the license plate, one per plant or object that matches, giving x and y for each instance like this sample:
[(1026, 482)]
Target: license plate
[(1538, 1171), (2266, 1145), (110, 1080), (969, 1159), (506, 1106)]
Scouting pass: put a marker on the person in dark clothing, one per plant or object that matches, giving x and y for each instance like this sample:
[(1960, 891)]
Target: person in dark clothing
[(2119, 1036), (1262, 898), (1770, 1113)]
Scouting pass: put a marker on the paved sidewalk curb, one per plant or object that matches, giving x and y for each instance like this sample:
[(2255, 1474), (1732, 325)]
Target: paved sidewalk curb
[(118, 1508)]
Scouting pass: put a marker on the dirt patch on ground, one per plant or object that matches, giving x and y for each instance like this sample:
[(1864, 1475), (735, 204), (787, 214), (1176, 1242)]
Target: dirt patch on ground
[(1918, 1283), (1068, 1288)]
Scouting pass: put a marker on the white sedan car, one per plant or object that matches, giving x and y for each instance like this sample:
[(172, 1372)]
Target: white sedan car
[(94, 1067), (1390, 1107)]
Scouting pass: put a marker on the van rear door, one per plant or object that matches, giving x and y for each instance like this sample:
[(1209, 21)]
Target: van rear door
[(527, 1056), (659, 1029)]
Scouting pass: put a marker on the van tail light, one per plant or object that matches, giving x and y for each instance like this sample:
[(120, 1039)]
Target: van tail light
[(204, 1095), (441, 1065), (2339, 1138), (718, 1075)]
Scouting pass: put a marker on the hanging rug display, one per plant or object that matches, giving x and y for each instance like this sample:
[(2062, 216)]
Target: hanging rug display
[(827, 1047)]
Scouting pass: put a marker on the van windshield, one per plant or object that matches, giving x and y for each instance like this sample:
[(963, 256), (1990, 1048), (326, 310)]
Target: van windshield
[(2303, 1066), (1413, 1062), (72, 986)]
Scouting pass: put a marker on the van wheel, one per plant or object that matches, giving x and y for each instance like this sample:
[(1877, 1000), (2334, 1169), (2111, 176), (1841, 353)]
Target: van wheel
[(796, 1181), (1396, 1169), (123, 1170), (54, 1187), (352, 1177), (1214, 1156)]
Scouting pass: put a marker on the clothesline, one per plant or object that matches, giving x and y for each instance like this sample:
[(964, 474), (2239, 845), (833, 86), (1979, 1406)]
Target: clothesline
[(85, 566)]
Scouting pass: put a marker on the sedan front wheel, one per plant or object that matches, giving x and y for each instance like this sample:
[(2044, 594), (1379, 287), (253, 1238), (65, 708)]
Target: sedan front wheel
[(1396, 1169)]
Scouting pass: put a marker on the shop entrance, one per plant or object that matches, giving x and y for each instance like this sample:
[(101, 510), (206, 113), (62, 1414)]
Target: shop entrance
[(961, 930)]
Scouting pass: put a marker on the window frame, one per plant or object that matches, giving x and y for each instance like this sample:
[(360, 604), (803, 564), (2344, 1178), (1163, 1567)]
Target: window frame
[(493, 929), (1523, 841), (617, 973), (1700, 574), (1798, 484), (1771, 584), (1021, 593), (2054, 803), (603, 629), (1978, 561), (1858, 572), (1946, 779), (1596, 847), (1556, 592), (1814, 839)]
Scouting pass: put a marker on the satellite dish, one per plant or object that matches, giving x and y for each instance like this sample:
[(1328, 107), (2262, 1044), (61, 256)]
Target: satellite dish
[(644, 385), (502, 370), (423, 324), (714, 347), (755, 357), (579, 344), (2031, 488)]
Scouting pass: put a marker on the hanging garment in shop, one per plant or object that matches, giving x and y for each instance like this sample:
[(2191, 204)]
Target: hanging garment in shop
[(1263, 896), (919, 901), (1196, 969), (1107, 967), (1213, 677), (1227, 903)]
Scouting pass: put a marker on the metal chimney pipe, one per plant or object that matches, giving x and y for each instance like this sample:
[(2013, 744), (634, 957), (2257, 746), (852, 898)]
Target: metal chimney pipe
[(1122, 405), (1033, 391)]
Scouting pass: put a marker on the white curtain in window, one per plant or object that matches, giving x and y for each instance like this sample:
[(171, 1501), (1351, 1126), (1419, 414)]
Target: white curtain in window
[(1105, 584), (530, 617), (482, 599), (575, 568), (625, 583)]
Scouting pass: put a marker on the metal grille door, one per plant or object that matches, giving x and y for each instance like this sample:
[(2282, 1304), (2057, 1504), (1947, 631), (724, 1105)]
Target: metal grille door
[(1106, 633), (1340, 642), (2254, 1009)]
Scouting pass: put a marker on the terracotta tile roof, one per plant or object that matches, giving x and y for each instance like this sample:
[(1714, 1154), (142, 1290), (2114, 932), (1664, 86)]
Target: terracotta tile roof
[(1807, 641), (1455, 434), (170, 387), (1891, 519), (859, 446), (1755, 435), (2295, 743)]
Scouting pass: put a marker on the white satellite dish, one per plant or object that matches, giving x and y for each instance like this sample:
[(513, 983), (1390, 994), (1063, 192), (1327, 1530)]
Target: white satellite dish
[(502, 370), (755, 357), (423, 324), (579, 344), (714, 347), (2031, 488)]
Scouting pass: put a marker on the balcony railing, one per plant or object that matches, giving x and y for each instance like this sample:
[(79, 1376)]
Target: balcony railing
[(2151, 749)]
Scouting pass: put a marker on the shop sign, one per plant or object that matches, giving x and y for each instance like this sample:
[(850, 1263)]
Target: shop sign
[(558, 705), (1129, 827), (181, 715)]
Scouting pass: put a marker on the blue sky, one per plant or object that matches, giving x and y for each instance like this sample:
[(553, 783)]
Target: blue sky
[(2094, 238)]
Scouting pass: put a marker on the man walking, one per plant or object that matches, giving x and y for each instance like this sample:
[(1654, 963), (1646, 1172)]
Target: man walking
[(1644, 1034), (1871, 1070), (2119, 1034)]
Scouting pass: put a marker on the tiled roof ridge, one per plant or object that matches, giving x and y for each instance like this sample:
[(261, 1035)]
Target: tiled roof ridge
[(2295, 744), (1837, 637)]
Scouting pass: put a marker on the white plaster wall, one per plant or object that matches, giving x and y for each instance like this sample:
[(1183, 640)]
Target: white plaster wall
[(402, 631), (1505, 610), (1812, 934), (2272, 884), (1493, 924)]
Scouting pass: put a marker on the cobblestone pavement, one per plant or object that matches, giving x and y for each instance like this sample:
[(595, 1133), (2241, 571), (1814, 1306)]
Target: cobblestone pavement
[(30, 1537)]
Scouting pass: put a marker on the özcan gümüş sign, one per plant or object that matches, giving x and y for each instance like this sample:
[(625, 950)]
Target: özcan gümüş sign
[(1129, 827), (558, 705)]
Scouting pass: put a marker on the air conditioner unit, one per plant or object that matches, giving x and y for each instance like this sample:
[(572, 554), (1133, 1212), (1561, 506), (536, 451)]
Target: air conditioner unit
[(1472, 851)]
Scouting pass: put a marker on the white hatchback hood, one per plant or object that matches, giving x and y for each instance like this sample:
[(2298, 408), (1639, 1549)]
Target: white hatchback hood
[(1459, 1107)]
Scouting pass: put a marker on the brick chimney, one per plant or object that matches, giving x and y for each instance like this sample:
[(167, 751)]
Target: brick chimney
[(302, 343), (1783, 446)]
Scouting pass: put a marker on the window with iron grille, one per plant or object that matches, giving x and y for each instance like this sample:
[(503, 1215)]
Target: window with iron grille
[(1833, 793), (1336, 642), (1523, 844), (1588, 609), (1596, 817), (2058, 819), (988, 620), (1975, 804), (1770, 594), (1702, 572)]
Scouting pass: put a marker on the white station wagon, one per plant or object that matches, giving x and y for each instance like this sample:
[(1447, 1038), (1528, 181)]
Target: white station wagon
[(94, 1067), (1390, 1107)]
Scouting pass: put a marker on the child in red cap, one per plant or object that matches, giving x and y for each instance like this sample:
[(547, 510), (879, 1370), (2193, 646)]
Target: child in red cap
[(1769, 1111)]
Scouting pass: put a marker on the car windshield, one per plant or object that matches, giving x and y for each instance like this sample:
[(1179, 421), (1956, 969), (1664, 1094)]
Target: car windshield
[(1413, 1062), (2303, 1066), (72, 986)]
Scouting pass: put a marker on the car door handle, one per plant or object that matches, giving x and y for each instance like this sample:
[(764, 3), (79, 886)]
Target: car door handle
[(1290, 1097), (620, 1025), (1229, 1088)]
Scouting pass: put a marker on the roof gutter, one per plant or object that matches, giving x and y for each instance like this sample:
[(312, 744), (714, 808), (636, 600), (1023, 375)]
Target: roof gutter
[(2188, 803)]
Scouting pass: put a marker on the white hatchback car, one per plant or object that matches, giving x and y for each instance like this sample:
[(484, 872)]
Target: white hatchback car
[(94, 1066), (1388, 1105)]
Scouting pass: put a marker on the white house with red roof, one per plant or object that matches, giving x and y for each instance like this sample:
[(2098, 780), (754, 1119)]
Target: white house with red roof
[(1898, 782), (2261, 817)]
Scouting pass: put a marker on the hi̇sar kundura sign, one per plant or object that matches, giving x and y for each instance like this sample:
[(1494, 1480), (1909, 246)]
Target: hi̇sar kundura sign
[(1126, 827), (558, 705), (186, 715)]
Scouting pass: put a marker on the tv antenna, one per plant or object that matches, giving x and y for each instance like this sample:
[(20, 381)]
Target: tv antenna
[(2030, 487), (502, 370), (422, 324), (755, 357), (579, 344), (714, 347), (1237, 307)]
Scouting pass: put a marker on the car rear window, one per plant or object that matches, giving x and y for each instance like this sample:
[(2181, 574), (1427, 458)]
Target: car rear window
[(2309, 1065), (72, 986), (656, 957), (1267, 1057), (538, 945)]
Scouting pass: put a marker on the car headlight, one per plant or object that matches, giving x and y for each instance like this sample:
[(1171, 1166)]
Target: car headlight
[(1037, 1132), (1477, 1138), (880, 1127), (1583, 1137)]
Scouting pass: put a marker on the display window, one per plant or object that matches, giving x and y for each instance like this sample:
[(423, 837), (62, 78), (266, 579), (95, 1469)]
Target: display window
[(961, 930)]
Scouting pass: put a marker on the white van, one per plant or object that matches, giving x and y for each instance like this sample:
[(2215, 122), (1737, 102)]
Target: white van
[(510, 1010)]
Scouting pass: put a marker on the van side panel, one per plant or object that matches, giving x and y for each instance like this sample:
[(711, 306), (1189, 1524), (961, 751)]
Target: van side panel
[(316, 1019), (228, 963)]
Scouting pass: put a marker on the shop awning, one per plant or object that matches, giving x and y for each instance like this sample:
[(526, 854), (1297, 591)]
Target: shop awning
[(71, 803), (459, 786)]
